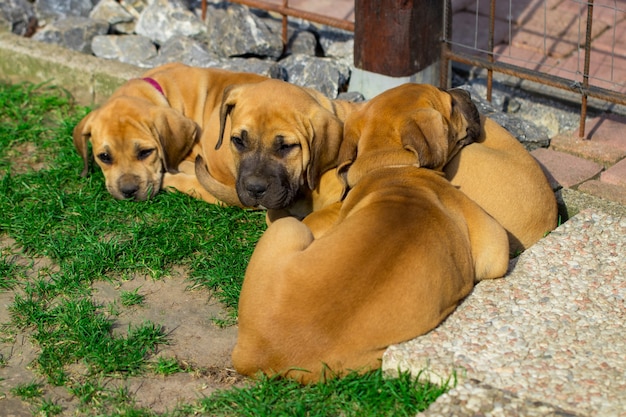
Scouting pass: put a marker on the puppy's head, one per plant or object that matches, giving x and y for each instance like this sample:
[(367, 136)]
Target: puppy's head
[(413, 124), (134, 143), (282, 138)]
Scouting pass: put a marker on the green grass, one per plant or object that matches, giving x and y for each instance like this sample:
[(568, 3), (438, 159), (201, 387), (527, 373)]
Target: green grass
[(132, 298), (354, 395), (50, 211), (28, 391)]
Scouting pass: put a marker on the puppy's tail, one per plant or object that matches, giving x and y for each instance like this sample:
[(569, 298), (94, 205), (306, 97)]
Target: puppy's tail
[(220, 191)]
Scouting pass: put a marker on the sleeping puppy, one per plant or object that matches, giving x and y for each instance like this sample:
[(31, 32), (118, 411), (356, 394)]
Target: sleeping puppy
[(142, 134), (397, 256), (504, 179), (284, 140)]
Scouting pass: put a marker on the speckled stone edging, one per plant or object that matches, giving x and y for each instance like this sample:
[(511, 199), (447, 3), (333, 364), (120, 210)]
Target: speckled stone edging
[(552, 330)]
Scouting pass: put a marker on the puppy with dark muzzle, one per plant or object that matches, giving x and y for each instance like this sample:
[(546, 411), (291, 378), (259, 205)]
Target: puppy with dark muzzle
[(284, 140)]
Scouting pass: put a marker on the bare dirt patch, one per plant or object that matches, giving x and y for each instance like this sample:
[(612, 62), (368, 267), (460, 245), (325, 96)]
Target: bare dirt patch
[(25, 157), (187, 317)]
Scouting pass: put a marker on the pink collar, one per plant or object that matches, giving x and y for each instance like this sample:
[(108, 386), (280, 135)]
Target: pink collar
[(154, 84)]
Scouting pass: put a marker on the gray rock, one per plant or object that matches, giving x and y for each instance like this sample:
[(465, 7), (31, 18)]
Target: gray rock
[(49, 10), (323, 74), (301, 36), (112, 12), (336, 42), (186, 50), (5, 25), (73, 32), (131, 49), (234, 37), (164, 19), (126, 28), (255, 65), (353, 96), (18, 17), (235, 31), (302, 42), (529, 134)]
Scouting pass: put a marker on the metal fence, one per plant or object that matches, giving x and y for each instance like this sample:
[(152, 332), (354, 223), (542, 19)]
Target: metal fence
[(573, 45)]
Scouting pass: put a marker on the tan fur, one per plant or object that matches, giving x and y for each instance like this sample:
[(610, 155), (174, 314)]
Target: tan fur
[(389, 263), (504, 179), (177, 125), (283, 140)]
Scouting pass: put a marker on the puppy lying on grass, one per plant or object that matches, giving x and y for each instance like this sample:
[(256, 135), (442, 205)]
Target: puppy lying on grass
[(389, 263), (147, 135)]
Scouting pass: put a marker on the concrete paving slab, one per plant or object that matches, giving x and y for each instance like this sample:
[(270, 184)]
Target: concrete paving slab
[(612, 12), (597, 150), (613, 40), (609, 129), (466, 23), (528, 58), (563, 169), (608, 71), (515, 11), (616, 174), (604, 190), (554, 32)]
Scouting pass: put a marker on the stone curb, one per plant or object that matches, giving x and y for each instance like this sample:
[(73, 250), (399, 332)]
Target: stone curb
[(89, 79)]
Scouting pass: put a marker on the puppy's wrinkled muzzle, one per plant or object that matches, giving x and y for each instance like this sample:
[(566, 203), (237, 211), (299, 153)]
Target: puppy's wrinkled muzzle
[(131, 187)]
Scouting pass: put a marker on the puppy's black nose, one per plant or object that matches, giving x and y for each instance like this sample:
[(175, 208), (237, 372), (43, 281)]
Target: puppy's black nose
[(129, 191), (256, 187)]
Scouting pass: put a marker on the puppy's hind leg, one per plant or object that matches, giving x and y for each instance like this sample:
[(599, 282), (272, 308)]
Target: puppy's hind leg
[(489, 243), (283, 237), (263, 303)]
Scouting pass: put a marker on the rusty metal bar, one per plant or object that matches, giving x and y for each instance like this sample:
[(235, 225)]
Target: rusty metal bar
[(490, 46), (546, 79), (302, 14), (285, 23), (583, 103), (444, 73)]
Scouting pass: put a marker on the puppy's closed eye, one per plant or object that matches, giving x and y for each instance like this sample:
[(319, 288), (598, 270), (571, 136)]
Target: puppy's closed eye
[(284, 148), (144, 153), (240, 141)]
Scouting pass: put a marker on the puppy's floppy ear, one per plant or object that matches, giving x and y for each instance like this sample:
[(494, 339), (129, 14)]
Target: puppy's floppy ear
[(176, 135), (229, 98), (463, 106), (80, 137), (426, 135), (347, 151), (325, 139)]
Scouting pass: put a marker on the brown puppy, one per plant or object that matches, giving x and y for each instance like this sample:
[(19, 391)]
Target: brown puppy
[(283, 139), (149, 126), (403, 251), (504, 179)]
